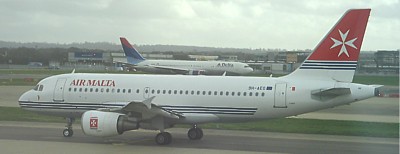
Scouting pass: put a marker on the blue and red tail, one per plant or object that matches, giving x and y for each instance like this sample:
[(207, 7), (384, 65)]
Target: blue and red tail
[(130, 51), (336, 56)]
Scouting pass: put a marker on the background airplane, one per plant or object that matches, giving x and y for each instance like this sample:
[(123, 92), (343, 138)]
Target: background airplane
[(110, 104), (135, 59)]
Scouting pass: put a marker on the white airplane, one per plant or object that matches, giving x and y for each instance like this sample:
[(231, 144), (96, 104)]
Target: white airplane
[(110, 104), (181, 66)]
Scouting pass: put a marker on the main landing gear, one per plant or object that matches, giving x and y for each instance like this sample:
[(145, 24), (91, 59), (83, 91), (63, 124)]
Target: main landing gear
[(69, 132), (164, 138), (195, 133)]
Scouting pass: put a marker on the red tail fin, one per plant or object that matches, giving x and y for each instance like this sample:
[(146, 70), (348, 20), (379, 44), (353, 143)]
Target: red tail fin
[(343, 42), (336, 56)]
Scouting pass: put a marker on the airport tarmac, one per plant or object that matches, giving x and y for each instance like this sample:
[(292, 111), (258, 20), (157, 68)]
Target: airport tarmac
[(376, 109), (33, 137)]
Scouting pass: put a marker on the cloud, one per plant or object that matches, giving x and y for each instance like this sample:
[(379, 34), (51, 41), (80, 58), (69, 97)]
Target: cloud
[(244, 23)]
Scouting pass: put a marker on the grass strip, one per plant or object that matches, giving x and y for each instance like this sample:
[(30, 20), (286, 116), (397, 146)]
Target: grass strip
[(284, 125)]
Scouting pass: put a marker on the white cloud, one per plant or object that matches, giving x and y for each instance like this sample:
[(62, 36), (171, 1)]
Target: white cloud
[(285, 24)]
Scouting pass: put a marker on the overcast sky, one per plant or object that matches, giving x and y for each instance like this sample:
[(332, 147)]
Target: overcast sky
[(286, 24)]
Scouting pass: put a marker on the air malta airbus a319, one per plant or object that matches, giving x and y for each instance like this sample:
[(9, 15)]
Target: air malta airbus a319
[(110, 104)]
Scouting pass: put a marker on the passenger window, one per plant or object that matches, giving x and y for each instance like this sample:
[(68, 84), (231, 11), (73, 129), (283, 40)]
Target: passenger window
[(227, 93), (187, 92), (209, 92), (85, 89), (215, 92), (233, 93), (221, 93), (164, 91), (129, 90), (256, 94), (153, 91), (91, 90), (181, 92), (80, 89), (97, 90), (169, 91), (244, 93), (198, 92), (102, 90), (112, 90), (107, 90), (119, 90), (137, 91), (250, 94), (69, 89), (175, 92), (262, 94), (158, 91), (192, 92), (123, 90), (238, 93)]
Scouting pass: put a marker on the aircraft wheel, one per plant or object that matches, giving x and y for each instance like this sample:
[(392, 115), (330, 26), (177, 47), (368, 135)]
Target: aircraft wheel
[(163, 138), (68, 132), (195, 133)]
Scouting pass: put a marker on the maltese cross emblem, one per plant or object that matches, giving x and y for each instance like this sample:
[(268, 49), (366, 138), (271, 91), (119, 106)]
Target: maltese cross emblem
[(343, 42)]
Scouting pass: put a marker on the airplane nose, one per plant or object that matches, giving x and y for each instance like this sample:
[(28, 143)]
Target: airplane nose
[(25, 97)]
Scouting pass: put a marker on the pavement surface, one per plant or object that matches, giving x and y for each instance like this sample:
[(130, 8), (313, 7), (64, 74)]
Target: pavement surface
[(31, 137)]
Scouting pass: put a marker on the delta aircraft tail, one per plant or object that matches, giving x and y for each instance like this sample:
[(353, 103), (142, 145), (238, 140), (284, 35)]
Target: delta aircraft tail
[(131, 53), (336, 56)]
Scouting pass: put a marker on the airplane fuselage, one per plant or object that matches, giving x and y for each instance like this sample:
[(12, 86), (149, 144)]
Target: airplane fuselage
[(210, 67), (205, 98)]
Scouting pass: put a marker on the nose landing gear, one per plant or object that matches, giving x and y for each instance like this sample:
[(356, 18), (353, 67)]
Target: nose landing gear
[(69, 132)]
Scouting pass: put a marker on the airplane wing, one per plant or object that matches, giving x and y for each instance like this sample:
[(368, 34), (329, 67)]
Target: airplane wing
[(149, 110), (331, 92)]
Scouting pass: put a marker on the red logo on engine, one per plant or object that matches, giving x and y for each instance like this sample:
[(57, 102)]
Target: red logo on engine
[(94, 122)]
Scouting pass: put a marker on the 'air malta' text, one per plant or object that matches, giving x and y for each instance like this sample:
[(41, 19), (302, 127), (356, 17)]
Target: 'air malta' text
[(100, 83)]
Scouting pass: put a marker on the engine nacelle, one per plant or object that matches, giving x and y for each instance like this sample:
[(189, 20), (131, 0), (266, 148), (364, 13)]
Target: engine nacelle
[(103, 124)]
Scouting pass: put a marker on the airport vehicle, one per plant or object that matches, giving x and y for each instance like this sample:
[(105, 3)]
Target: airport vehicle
[(136, 60), (110, 104)]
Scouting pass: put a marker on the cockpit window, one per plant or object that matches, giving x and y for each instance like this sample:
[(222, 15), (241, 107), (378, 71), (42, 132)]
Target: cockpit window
[(38, 87)]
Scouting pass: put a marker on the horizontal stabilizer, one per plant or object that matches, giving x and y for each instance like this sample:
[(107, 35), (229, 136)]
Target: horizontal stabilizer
[(332, 92)]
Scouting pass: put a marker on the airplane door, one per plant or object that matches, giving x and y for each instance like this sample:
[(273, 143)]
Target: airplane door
[(280, 95), (58, 95), (146, 92)]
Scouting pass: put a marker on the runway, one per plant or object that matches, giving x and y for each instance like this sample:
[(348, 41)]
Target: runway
[(30, 137)]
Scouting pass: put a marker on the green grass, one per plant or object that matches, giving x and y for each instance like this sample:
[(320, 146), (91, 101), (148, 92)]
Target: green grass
[(284, 125), (313, 126), (381, 80)]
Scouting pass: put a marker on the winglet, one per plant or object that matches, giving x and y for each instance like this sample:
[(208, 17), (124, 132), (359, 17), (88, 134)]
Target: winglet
[(148, 101)]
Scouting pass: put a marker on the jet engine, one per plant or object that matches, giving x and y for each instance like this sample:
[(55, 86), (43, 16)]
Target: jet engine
[(103, 124)]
